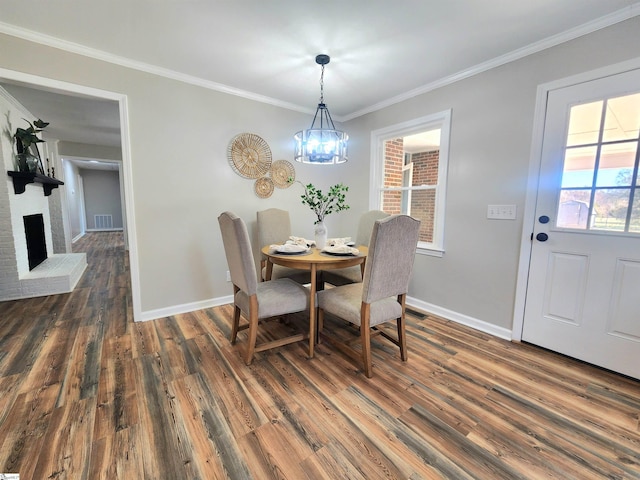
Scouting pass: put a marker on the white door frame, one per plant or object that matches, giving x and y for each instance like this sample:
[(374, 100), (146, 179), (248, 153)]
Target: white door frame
[(528, 220), (127, 170), (82, 214)]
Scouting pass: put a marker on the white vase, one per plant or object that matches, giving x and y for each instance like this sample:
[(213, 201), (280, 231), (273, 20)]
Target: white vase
[(320, 231)]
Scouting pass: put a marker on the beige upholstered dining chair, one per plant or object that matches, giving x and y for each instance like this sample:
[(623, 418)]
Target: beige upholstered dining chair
[(380, 297), (256, 300), (274, 227), (344, 276)]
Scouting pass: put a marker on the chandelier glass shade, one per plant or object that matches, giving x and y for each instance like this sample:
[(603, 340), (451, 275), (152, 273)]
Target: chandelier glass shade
[(321, 143)]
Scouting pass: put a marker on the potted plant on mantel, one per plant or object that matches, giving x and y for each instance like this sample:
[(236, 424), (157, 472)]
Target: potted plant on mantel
[(26, 138), (322, 205)]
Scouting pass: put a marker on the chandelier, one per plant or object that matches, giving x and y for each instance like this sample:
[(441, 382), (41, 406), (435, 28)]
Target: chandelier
[(321, 143)]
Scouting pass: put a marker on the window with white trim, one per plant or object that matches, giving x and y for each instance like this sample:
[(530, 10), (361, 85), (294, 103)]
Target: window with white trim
[(409, 174)]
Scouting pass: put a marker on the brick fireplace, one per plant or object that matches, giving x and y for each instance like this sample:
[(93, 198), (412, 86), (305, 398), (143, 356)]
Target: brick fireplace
[(26, 267), (29, 268)]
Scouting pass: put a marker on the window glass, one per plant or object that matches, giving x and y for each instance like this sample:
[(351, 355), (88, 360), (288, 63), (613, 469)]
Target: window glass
[(610, 209), (616, 164), (579, 167), (622, 120), (412, 161), (573, 210), (634, 224), (584, 124), (599, 187)]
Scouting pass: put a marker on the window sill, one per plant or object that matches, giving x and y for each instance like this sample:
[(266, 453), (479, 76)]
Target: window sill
[(431, 252)]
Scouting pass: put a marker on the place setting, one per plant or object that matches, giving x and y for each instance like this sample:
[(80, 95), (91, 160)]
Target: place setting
[(293, 246), (340, 247)]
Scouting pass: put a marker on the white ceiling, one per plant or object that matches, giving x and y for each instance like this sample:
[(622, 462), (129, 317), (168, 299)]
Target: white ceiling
[(381, 51)]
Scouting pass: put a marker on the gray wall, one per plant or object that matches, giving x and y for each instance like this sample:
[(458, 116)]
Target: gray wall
[(185, 185), (101, 196)]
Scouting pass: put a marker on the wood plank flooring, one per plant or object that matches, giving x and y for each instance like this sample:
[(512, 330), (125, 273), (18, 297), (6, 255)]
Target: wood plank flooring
[(85, 393)]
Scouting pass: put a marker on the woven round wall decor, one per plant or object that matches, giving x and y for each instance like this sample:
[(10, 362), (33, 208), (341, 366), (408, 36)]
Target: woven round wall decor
[(281, 172), (264, 187), (249, 155)]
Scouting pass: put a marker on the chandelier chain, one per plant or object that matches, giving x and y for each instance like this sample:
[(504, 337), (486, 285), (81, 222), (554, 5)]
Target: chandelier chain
[(322, 85)]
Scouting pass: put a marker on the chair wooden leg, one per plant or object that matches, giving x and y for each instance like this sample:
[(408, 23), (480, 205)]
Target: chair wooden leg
[(402, 336), (320, 320), (236, 324), (402, 339), (253, 328), (236, 318), (263, 264), (365, 337)]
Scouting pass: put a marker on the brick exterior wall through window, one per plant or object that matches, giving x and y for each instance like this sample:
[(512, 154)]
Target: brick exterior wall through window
[(423, 202), (425, 172), (393, 162)]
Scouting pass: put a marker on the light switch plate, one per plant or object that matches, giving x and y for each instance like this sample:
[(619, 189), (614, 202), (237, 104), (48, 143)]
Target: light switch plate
[(501, 212)]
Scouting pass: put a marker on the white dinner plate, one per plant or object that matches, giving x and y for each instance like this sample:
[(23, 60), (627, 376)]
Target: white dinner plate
[(292, 249), (340, 250)]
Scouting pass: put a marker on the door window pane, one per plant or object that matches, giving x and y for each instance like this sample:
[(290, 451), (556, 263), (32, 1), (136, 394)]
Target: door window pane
[(584, 124), (622, 121), (610, 209), (579, 164), (634, 224), (573, 211), (616, 164)]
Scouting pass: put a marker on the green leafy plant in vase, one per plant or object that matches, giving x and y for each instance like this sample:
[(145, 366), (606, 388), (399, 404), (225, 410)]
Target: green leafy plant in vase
[(26, 144), (322, 205)]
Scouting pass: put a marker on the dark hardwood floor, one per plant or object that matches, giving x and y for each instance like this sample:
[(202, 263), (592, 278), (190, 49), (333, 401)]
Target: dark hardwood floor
[(85, 393)]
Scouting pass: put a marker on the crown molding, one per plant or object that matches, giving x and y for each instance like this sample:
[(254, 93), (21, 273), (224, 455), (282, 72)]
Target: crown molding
[(96, 54)]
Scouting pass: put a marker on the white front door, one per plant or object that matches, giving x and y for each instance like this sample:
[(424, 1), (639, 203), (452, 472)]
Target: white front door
[(583, 294)]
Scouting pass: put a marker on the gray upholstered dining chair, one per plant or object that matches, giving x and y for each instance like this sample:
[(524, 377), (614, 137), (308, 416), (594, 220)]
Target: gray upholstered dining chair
[(344, 276), (274, 227), (380, 297), (257, 300)]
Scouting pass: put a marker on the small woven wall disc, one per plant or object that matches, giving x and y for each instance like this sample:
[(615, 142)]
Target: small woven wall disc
[(281, 172), (264, 187)]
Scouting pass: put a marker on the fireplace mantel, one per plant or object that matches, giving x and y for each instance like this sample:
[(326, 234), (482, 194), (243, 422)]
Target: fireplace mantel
[(21, 179)]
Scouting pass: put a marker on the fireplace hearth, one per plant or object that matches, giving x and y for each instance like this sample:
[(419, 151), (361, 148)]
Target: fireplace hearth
[(36, 243)]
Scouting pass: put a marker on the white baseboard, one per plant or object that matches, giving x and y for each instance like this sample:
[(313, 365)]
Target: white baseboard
[(77, 237), (184, 308), (105, 229), (481, 325)]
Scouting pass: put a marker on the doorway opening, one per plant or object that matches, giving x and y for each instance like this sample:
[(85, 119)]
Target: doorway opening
[(102, 128)]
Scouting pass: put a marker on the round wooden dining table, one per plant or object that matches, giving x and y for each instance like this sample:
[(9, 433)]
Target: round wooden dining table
[(315, 261)]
